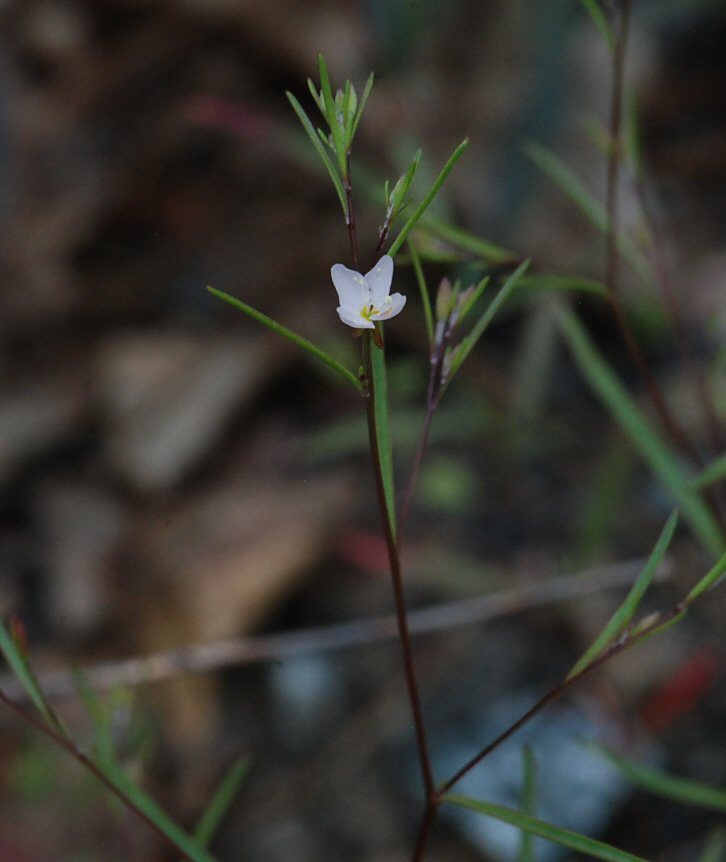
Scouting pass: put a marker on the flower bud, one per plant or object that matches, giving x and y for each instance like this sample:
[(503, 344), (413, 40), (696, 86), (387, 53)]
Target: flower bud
[(443, 299)]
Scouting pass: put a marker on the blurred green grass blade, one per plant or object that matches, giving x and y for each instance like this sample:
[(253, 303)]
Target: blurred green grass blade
[(331, 113), (562, 176), (661, 460), (20, 665), (560, 283), (529, 803), (468, 343), (183, 842), (594, 10), (709, 581), (715, 472), (564, 837), (428, 198), (715, 849), (290, 335), (682, 790), (625, 613), (383, 430), (100, 715), (319, 149), (221, 802), (423, 290), (489, 251)]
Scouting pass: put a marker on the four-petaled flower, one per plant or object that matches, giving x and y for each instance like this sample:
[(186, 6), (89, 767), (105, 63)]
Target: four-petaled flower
[(364, 298)]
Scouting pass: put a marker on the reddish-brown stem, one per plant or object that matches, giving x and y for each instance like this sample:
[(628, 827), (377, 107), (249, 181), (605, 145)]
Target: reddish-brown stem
[(350, 214), (624, 642), (67, 744), (396, 578), (424, 832)]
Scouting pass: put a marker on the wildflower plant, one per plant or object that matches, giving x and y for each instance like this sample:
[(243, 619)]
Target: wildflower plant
[(455, 320)]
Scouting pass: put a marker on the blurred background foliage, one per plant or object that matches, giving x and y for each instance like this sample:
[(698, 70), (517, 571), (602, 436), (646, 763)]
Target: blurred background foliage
[(171, 475)]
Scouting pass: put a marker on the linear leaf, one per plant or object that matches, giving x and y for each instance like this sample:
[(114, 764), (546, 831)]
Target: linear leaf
[(595, 12), (383, 431), (21, 667), (469, 342), (562, 176), (428, 198), (489, 251), (290, 335), (331, 112), (682, 790), (221, 802), (362, 104), (423, 290), (709, 581), (624, 410), (555, 834), (182, 841), (474, 298), (319, 149), (715, 472), (624, 614), (529, 801)]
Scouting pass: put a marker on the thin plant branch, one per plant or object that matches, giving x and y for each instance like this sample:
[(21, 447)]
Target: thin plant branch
[(446, 616)]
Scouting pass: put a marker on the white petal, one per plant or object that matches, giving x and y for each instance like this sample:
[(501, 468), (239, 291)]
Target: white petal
[(351, 286), (379, 280), (391, 307), (352, 317)]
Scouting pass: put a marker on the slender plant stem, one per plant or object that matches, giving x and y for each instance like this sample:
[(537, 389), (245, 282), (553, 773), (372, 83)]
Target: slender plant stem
[(350, 214), (612, 277), (626, 641), (68, 745), (396, 578), (424, 832)]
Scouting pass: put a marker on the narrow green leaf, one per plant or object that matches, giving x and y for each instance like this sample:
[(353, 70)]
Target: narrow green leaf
[(709, 581), (625, 613), (428, 198), (383, 431), (21, 667), (715, 849), (315, 93), (423, 290), (181, 840), (331, 113), (681, 790), (319, 149), (362, 104), (624, 410), (545, 281), (100, 716), (488, 251), (474, 298), (467, 344), (529, 801), (562, 176), (632, 136), (595, 12), (564, 837), (289, 334), (221, 802), (715, 472)]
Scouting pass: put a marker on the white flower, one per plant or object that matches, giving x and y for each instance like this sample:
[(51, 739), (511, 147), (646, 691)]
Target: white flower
[(364, 298)]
